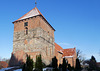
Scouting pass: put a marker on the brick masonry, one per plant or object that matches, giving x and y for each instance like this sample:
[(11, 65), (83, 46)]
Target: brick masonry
[(39, 40)]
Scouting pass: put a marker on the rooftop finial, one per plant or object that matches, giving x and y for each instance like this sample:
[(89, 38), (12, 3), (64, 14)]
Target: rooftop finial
[(35, 3)]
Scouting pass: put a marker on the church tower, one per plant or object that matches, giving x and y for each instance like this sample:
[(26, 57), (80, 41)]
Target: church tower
[(33, 35)]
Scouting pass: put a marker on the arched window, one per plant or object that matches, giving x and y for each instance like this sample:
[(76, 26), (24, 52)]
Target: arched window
[(26, 27), (26, 30)]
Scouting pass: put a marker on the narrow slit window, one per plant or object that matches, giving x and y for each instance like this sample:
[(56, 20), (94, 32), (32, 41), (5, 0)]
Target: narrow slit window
[(26, 30)]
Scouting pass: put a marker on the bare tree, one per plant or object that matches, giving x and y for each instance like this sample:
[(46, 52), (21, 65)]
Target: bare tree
[(80, 56), (4, 59), (0, 58)]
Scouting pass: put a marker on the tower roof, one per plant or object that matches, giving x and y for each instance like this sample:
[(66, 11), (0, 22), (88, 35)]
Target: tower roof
[(34, 12)]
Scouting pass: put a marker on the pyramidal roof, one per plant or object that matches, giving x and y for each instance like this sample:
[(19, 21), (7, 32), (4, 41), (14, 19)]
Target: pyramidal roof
[(32, 13)]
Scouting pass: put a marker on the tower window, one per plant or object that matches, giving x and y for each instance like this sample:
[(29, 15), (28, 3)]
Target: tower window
[(26, 30), (48, 32), (25, 24)]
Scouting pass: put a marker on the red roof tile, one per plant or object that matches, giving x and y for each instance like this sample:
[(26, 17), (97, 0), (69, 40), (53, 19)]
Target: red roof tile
[(68, 52), (57, 47)]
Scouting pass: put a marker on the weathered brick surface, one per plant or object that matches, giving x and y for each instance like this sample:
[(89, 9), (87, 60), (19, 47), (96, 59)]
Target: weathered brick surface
[(72, 61), (34, 22), (59, 57), (39, 40)]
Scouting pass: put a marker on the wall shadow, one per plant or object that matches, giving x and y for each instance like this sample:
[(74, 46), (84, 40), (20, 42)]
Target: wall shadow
[(14, 61)]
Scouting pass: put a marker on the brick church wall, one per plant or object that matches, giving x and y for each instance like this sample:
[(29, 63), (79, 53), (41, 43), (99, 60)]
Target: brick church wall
[(39, 40), (72, 60)]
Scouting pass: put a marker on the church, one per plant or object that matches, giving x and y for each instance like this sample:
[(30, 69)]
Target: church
[(33, 35)]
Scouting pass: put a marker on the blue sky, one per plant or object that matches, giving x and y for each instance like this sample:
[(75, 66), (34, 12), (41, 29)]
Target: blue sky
[(77, 23)]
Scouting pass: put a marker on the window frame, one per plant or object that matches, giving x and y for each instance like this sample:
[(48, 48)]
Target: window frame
[(25, 24)]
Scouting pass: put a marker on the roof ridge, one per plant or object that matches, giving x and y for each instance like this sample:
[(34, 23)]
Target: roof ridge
[(58, 45), (25, 14), (39, 11), (29, 12)]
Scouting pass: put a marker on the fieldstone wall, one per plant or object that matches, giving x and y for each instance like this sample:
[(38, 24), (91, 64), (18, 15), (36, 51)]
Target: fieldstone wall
[(37, 40)]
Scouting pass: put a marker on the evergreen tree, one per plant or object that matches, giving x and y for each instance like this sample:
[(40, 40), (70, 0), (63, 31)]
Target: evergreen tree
[(92, 64), (69, 67), (78, 66), (23, 69), (28, 66), (60, 67), (55, 63), (64, 65), (39, 64)]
